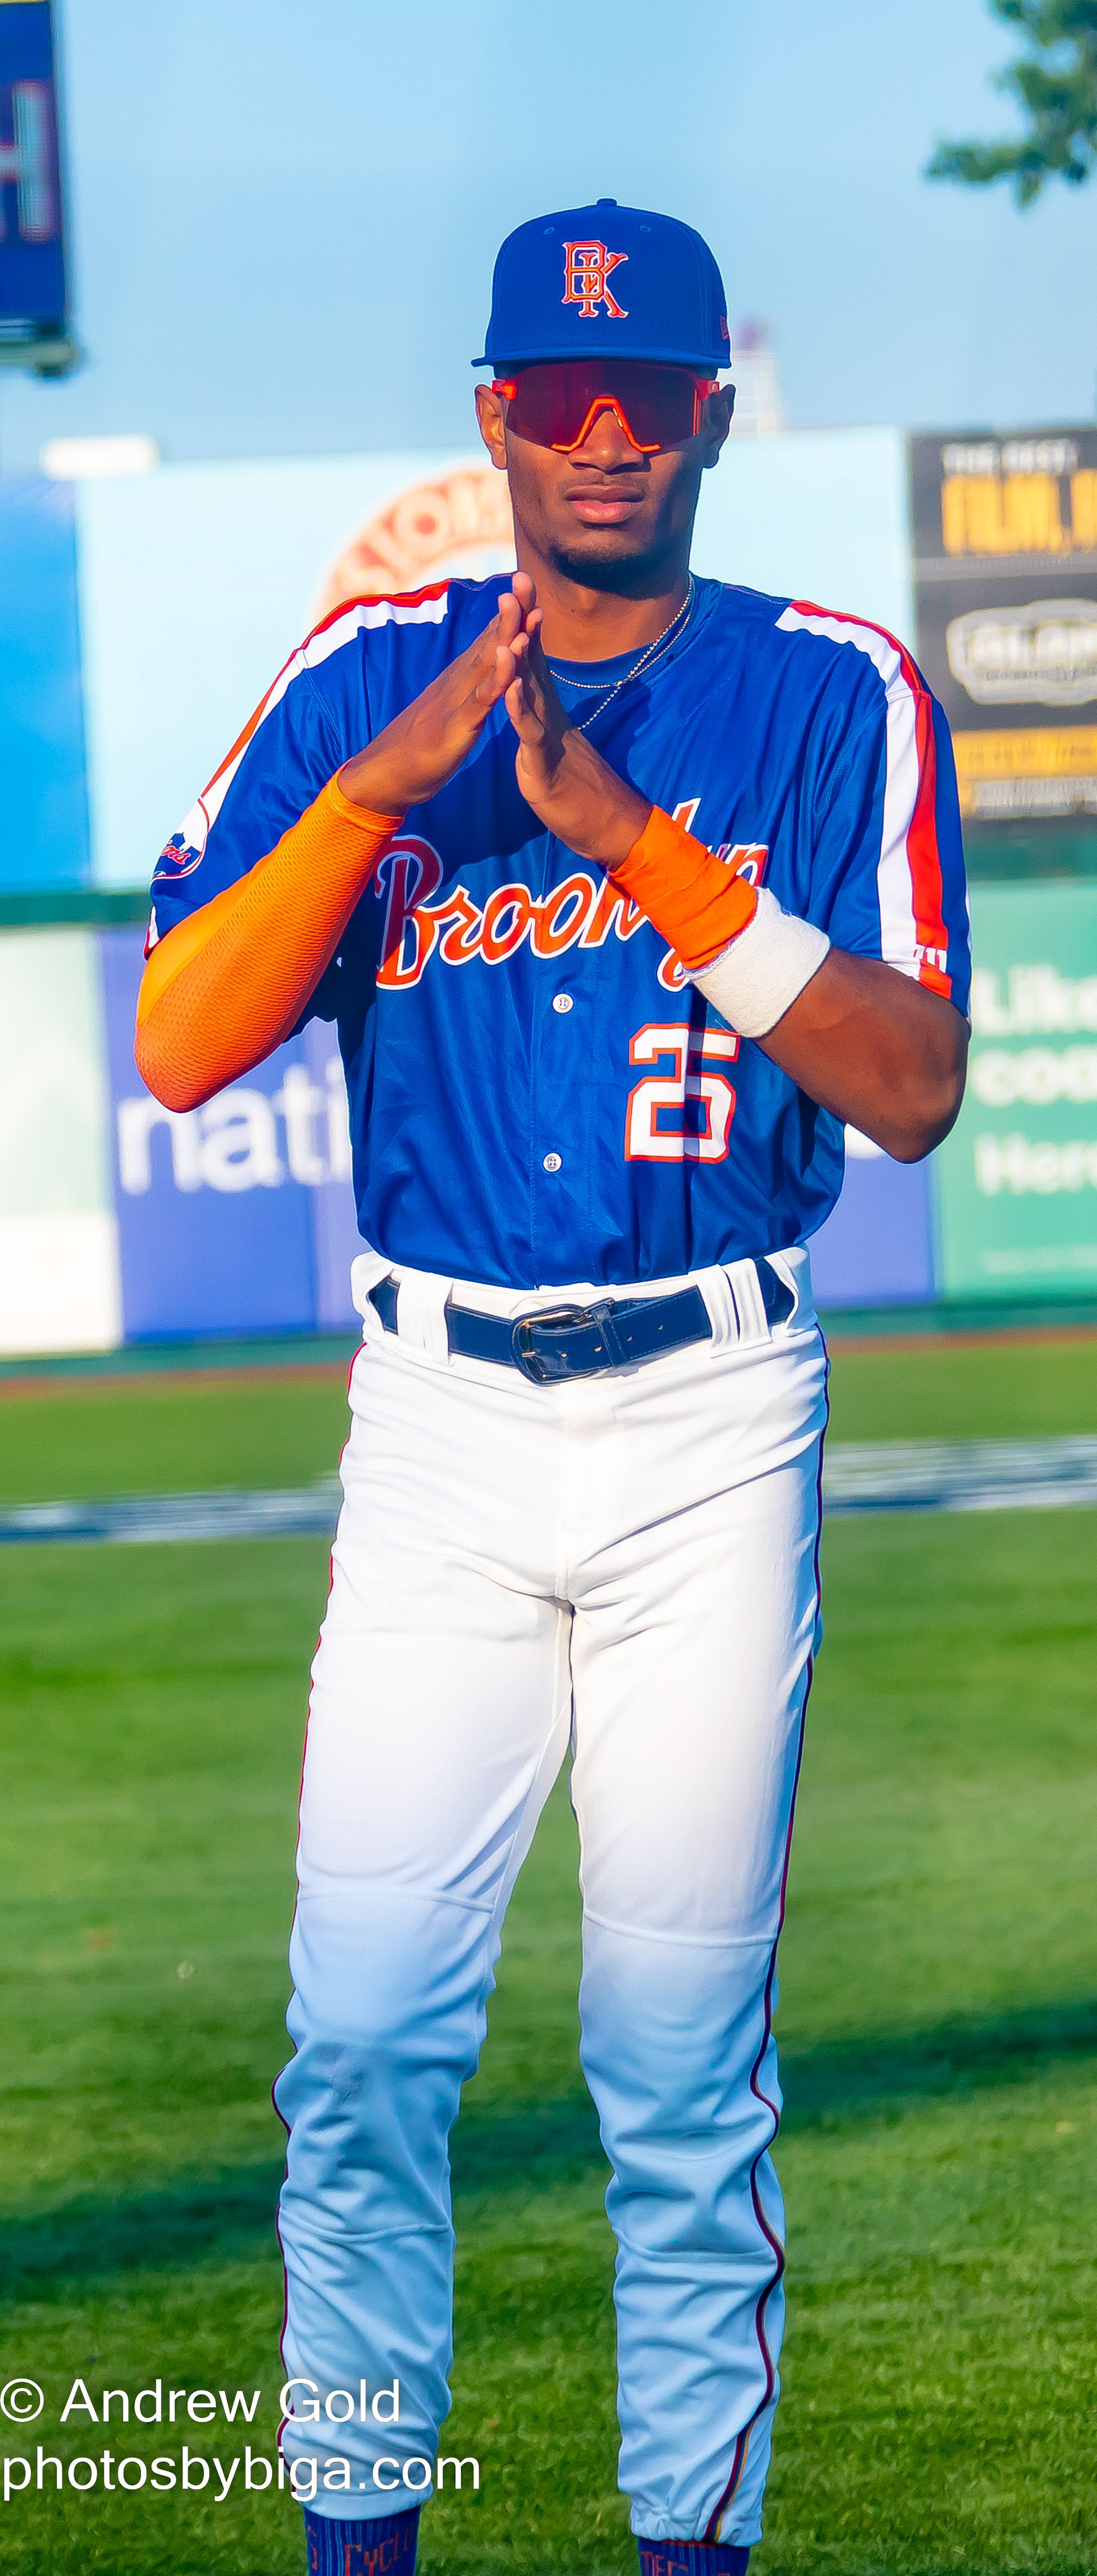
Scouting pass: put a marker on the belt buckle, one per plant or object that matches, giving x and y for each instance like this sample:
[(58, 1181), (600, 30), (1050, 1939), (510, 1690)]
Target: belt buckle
[(536, 1364)]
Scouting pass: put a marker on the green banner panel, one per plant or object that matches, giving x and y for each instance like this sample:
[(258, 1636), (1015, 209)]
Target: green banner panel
[(1017, 1179)]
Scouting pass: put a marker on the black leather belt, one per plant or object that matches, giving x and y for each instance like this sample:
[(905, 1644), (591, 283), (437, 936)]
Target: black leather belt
[(555, 1342)]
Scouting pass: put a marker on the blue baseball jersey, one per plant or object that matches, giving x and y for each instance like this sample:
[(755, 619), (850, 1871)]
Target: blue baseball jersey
[(538, 1096)]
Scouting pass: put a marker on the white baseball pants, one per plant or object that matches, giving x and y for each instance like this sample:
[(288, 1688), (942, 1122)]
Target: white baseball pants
[(627, 1565)]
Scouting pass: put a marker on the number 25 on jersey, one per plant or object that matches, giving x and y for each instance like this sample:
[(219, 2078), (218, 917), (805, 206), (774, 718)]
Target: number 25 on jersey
[(683, 1113)]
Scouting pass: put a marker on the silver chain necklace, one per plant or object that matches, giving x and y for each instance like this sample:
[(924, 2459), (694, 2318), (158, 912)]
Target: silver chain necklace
[(661, 645)]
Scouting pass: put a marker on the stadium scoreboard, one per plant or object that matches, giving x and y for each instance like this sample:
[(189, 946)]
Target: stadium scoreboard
[(34, 322)]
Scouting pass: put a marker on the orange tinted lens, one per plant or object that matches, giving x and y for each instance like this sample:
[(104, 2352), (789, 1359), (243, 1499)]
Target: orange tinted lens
[(552, 405)]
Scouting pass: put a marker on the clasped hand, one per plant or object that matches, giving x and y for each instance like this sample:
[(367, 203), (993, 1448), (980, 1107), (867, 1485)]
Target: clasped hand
[(570, 789)]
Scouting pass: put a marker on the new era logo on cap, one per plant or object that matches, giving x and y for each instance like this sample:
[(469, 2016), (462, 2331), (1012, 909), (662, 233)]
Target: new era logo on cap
[(559, 291)]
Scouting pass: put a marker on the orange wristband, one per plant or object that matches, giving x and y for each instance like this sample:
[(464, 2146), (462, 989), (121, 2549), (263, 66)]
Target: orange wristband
[(223, 988), (698, 903)]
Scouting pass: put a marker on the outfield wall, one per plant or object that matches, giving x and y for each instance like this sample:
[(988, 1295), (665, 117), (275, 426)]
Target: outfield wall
[(121, 1221)]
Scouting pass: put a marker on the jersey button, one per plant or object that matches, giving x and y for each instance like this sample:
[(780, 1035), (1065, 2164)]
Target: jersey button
[(553, 1163), (562, 1001)]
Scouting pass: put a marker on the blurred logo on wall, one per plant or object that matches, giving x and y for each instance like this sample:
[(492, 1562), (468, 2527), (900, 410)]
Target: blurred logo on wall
[(458, 525), (1045, 654)]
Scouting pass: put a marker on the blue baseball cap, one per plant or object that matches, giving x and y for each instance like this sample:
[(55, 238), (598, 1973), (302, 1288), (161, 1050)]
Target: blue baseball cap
[(607, 281)]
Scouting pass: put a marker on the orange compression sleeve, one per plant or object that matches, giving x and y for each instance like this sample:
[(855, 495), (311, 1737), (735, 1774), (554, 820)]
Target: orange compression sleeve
[(696, 901), (229, 983)]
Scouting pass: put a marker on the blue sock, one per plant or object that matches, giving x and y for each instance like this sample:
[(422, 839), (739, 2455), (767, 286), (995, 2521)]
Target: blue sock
[(385, 2547), (692, 2558)]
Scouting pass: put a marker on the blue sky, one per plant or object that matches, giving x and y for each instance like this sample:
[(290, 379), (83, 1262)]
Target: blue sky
[(284, 216)]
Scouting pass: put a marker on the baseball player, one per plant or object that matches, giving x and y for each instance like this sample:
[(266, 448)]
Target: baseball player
[(626, 888)]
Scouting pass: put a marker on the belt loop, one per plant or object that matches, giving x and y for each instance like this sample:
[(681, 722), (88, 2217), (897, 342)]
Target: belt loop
[(747, 1293), (365, 1271), (716, 1289), (421, 1301), (794, 1267)]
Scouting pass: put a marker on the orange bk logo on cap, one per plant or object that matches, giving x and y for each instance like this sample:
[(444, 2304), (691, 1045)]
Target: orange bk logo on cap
[(587, 266)]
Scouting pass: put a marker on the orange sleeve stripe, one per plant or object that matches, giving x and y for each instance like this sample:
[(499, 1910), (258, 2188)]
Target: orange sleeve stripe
[(697, 902), (223, 988)]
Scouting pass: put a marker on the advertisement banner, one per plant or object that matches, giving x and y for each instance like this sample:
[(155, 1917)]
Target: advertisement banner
[(58, 1238), (876, 1248), (237, 1217), (1005, 541), (1017, 1178)]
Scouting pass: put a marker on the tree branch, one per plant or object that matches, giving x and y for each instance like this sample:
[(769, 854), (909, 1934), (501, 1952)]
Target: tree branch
[(1055, 85)]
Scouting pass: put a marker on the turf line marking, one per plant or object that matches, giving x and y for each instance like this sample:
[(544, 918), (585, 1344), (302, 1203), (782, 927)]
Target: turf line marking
[(873, 1476)]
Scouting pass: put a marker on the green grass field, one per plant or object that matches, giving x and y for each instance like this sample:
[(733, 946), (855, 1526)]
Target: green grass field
[(938, 2018)]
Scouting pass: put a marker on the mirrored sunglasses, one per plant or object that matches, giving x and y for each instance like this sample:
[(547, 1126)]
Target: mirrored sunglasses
[(556, 405)]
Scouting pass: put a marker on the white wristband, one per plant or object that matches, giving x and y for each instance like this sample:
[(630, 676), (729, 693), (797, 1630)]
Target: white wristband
[(753, 983)]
